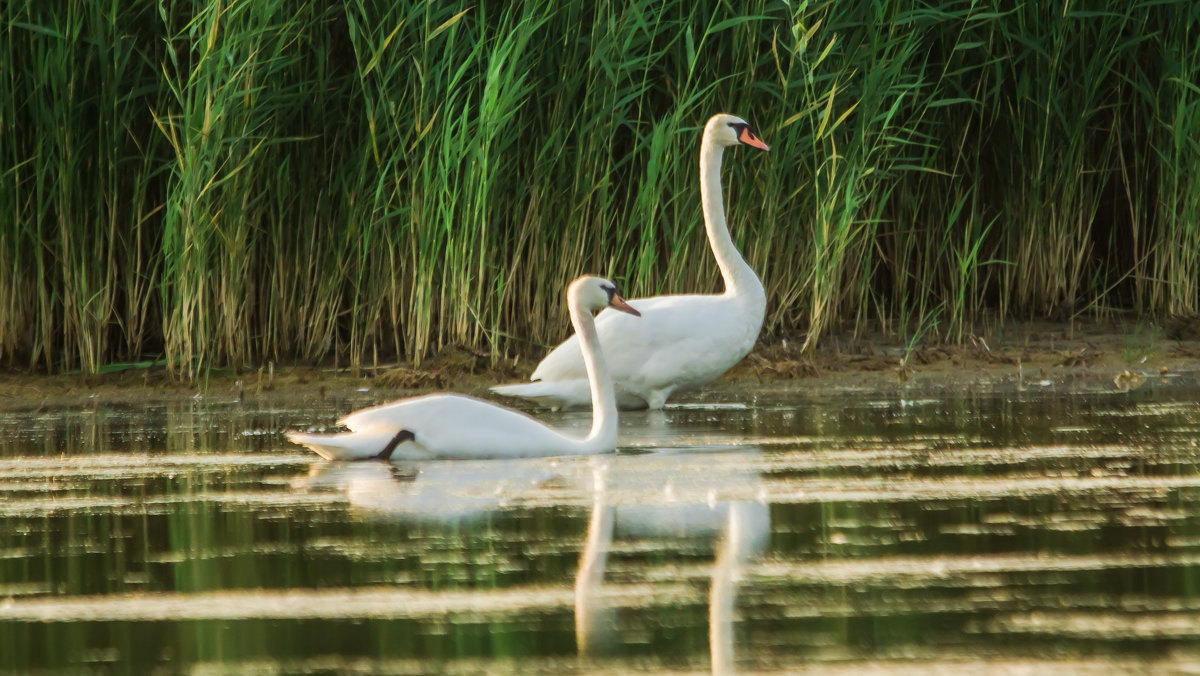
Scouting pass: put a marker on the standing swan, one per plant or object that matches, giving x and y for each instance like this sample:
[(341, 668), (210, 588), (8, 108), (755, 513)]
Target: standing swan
[(685, 340), (458, 426)]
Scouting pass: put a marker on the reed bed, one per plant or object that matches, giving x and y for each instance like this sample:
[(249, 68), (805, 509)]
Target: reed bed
[(234, 182)]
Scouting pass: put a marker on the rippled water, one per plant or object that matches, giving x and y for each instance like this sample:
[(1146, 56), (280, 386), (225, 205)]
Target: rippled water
[(778, 530)]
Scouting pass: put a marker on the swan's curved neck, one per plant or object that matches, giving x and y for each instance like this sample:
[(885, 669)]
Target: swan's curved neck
[(603, 434), (739, 277)]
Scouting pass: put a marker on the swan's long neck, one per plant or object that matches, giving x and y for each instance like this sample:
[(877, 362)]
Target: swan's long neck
[(740, 279), (604, 398)]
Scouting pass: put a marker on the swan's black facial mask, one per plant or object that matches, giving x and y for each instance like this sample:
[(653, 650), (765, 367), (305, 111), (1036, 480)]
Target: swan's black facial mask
[(746, 136)]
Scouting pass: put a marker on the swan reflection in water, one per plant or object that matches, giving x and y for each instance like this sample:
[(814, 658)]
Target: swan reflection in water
[(660, 495)]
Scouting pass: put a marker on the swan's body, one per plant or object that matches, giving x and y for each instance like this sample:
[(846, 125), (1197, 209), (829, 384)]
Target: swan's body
[(458, 426), (685, 340)]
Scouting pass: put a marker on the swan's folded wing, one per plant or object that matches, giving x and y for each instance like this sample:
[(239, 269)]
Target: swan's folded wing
[(459, 426), (630, 344), (435, 411)]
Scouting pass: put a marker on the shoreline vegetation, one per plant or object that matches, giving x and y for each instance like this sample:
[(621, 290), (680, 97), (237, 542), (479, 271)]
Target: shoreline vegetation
[(1108, 356), (222, 185)]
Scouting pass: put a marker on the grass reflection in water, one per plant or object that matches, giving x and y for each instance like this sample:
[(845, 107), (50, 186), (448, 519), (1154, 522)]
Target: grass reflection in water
[(942, 533)]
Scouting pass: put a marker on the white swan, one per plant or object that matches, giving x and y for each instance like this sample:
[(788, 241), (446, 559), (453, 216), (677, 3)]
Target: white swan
[(457, 426), (684, 340)]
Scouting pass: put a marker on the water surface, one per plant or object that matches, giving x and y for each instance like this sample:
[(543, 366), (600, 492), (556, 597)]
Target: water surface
[(766, 529)]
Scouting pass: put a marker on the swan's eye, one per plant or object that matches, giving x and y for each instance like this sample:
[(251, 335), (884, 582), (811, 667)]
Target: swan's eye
[(611, 291)]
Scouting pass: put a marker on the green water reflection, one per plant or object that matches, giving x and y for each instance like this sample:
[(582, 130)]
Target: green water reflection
[(1057, 528)]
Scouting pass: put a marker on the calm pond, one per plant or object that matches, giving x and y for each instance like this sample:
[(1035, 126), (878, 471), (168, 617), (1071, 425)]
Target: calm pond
[(1039, 529)]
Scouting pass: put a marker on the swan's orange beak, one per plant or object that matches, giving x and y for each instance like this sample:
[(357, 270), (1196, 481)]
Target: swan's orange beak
[(748, 138), (619, 303)]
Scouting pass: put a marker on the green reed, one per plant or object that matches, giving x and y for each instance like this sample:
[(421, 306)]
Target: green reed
[(1172, 260), (229, 183)]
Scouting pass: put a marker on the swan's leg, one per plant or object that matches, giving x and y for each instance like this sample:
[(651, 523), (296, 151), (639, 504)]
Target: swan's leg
[(386, 454), (628, 400), (656, 399)]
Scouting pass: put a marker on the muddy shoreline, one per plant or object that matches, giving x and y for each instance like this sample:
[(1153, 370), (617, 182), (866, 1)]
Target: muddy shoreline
[(1104, 354)]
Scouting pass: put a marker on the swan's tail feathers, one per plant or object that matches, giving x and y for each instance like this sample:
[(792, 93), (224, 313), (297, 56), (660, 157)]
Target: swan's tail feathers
[(553, 394), (560, 394), (362, 445)]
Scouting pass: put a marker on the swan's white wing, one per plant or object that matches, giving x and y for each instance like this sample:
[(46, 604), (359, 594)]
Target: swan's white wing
[(443, 426), (458, 426), (680, 339)]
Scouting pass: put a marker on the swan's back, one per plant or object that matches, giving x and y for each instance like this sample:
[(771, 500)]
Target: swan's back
[(460, 426), (680, 340)]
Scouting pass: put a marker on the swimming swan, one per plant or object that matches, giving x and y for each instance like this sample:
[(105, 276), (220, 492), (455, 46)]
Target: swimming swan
[(458, 426), (685, 340)]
